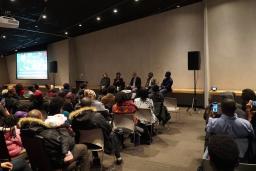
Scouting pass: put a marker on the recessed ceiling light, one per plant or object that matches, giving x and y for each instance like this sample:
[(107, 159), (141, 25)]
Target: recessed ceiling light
[(66, 33), (98, 18), (4, 36), (16, 50), (12, 0), (115, 10), (44, 16), (36, 26), (178, 6), (136, 0), (80, 25)]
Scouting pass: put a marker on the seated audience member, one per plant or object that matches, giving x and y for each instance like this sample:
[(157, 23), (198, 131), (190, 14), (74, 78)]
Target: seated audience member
[(59, 141), (66, 88), (3, 113), (143, 102), (80, 92), (109, 99), (104, 82), (123, 105), (119, 82), (229, 124), (87, 118), (36, 86), (37, 100), (27, 94), (166, 85), (135, 83), (155, 95), (150, 81), (21, 110), (6, 165), (226, 95), (19, 89), (14, 144), (223, 152), (95, 103), (247, 95)]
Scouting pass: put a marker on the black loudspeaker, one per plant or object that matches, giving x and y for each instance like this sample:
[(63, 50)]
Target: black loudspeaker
[(53, 67), (194, 60)]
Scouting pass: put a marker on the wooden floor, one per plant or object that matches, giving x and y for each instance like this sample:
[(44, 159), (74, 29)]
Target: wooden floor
[(179, 147)]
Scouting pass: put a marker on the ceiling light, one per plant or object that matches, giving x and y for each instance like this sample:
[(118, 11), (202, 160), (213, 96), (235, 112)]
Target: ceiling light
[(12, 0), (44, 16), (136, 0), (178, 6), (36, 26), (66, 33), (80, 25), (4, 36), (115, 10), (16, 50), (98, 18)]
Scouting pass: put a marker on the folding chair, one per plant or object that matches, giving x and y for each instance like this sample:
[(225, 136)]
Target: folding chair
[(171, 105), (94, 140), (146, 116), (125, 122)]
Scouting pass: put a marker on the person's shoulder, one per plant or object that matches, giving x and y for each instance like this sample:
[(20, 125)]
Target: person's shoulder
[(244, 121)]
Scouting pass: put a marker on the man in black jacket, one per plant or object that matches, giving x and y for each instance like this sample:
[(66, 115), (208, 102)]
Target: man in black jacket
[(135, 82), (87, 118), (59, 142)]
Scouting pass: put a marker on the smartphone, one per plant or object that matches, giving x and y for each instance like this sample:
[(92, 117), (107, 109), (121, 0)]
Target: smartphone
[(215, 107), (254, 103)]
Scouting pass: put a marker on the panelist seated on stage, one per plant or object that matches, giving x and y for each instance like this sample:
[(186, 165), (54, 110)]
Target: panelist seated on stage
[(119, 82), (104, 82), (166, 85), (150, 81), (135, 82)]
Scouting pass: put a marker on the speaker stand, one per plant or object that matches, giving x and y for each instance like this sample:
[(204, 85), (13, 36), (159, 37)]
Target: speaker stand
[(53, 77), (194, 100)]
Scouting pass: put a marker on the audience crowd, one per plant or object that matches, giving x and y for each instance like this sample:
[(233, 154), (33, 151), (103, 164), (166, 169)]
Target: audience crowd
[(58, 115)]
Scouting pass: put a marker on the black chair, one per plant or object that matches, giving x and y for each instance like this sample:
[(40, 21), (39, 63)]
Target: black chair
[(34, 146), (4, 153)]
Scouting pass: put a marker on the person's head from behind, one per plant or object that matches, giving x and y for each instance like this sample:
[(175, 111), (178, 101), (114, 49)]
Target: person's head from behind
[(111, 89), (90, 94), (247, 95), (55, 105), (31, 88), (118, 75), (228, 107), (120, 97), (35, 114), (9, 121), (227, 95), (85, 102), (36, 86), (223, 152), (155, 88), (143, 94), (48, 87), (66, 86), (167, 74), (83, 86), (150, 75)]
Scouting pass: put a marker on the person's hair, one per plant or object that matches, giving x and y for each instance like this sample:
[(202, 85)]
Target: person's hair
[(120, 97), (223, 152), (155, 88), (111, 89), (47, 86), (168, 74), (83, 86), (143, 94), (55, 105), (228, 106), (36, 86), (19, 87), (90, 94), (21, 106), (66, 86), (118, 73), (10, 121), (31, 88), (35, 114), (248, 94), (85, 102), (227, 95)]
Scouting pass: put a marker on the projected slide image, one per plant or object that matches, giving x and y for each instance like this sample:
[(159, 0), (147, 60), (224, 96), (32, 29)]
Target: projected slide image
[(32, 65)]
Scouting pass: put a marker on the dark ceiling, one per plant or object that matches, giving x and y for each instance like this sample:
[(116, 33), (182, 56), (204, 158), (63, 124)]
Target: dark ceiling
[(74, 17)]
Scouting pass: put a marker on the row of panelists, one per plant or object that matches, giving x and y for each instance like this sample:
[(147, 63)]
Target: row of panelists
[(135, 82)]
